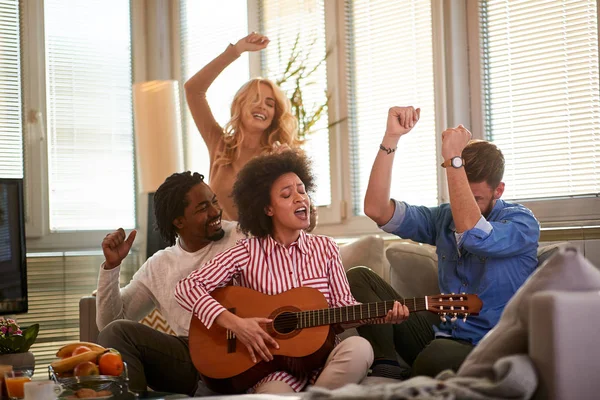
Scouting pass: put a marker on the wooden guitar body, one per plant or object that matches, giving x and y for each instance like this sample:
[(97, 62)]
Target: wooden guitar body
[(225, 364)]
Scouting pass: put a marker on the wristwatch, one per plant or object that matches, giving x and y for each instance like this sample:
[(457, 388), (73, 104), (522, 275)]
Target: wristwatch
[(456, 162)]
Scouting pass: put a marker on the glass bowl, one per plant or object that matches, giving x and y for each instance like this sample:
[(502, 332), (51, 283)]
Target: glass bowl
[(117, 385)]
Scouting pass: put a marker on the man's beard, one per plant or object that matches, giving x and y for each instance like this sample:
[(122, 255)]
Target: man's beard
[(218, 235), (489, 208)]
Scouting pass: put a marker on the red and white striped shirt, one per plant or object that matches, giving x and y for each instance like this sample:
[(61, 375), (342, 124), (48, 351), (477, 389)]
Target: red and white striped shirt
[(268, 267)]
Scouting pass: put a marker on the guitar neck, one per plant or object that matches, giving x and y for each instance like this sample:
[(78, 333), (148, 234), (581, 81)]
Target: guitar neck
[(338, 315)]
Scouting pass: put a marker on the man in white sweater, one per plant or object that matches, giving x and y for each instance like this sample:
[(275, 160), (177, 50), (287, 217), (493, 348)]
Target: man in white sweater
[(188, 216)]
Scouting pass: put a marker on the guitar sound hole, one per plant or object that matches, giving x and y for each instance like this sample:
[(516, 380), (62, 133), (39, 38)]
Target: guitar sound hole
[(285, 323)]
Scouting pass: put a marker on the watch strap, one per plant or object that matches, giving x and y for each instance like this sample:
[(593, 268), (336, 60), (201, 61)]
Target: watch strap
[(448, 162)]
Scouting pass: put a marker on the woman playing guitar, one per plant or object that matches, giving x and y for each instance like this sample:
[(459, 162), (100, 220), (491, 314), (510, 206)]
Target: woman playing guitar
[(271, 195)]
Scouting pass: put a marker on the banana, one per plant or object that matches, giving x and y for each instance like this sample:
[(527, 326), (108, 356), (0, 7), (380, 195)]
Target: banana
[(67, 364), (67, 349)]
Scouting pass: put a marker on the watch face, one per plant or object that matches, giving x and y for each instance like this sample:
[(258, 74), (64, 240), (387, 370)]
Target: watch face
[(457, 162)]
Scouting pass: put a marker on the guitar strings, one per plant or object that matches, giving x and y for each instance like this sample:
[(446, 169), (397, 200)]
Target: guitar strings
[(292, 319)]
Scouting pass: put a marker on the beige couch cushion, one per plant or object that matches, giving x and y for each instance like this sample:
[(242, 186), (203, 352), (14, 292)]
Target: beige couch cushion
[(366, 252), (413, 269), (568, 270)]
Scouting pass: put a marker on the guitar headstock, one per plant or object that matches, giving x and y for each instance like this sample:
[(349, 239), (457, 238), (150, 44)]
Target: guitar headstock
[(454, 305)]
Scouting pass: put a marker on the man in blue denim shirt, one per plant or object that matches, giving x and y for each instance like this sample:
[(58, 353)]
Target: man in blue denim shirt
[(485, 246)]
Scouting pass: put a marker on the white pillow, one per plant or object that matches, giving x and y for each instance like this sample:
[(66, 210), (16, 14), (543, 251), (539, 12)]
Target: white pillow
[(567, 270), (365, 252), (413, 269)]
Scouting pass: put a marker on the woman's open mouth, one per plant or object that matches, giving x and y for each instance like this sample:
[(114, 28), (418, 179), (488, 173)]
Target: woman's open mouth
[(302, 213)]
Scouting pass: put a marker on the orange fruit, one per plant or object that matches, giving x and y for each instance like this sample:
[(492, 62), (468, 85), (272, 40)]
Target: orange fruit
[(110, 364), (79, 350)]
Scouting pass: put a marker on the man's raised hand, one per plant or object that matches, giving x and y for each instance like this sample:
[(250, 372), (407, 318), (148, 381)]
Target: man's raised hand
[(454, 140), (116, 246), (401, 120)]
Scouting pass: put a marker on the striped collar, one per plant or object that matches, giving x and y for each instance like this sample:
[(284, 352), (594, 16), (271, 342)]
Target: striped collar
[(269, 243)]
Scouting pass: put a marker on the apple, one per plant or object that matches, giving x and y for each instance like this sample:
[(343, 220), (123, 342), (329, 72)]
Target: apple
[(85, 369)]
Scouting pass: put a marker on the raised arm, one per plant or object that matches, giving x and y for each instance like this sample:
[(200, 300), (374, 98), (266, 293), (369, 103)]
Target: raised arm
[(197, 86), (378, 204), (465, 211), (134, 301)]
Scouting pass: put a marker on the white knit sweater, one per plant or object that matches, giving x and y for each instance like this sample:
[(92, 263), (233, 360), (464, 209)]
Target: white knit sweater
[(153, 285)]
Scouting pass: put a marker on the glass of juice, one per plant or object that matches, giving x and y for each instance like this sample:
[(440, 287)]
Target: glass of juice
[(3, 369), (14, 381)]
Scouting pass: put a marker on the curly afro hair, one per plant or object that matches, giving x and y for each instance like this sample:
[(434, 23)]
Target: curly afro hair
[(252, 189)]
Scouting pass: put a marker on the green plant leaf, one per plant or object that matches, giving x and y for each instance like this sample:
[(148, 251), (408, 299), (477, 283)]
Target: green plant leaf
[(296, 75), (20, 344), (30, 335)]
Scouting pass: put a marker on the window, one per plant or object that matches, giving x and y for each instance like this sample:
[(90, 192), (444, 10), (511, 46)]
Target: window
[(390, 63), (291, 24), (77, 97), (540, 85), (206, 30), (11, 142), (89, 115)]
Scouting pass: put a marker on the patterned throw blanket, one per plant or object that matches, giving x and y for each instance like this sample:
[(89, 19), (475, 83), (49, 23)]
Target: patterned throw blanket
[(515, 379)]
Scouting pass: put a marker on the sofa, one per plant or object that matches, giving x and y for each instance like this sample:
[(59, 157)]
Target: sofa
[(411, 269)]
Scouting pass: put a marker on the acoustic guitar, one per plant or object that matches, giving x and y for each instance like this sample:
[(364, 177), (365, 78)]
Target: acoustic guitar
[(301, 325)]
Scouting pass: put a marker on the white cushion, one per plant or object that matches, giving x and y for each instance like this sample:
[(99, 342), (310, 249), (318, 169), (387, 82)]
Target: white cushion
[(365, 252), (413, 269), (567, 270)]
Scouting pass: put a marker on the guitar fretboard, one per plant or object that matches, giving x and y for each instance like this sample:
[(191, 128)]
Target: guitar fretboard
[(328, 316)]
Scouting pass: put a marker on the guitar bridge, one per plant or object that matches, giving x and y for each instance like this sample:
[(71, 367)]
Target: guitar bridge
[(231, 342)]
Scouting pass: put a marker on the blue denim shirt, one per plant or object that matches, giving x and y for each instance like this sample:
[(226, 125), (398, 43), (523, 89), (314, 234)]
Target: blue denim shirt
[(491, 260)]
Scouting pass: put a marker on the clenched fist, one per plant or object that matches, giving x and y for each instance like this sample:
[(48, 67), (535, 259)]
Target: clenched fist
[(454, 140), (401, 120), (116, 247)]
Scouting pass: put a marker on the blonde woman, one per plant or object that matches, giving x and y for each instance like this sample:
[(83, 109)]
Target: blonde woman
[(260, 122)]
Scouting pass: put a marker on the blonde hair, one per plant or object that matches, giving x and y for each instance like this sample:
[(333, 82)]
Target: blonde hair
[(284, 127)]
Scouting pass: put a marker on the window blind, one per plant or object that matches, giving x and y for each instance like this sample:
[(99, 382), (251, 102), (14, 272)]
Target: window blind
[(55, 283), (541, 95), (287, 22), (11, 142), (207, 28), (390, 63), (89, 114)]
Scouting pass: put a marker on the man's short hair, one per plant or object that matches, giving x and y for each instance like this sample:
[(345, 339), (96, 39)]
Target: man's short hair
[(484, 162)]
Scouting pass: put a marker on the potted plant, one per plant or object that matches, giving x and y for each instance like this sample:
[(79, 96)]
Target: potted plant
[(15, 343), (297, 75)]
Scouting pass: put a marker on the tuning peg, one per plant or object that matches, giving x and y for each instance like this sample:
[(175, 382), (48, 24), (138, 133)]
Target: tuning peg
[(453, 317), (452, 293), (443, 317), (465, 317)]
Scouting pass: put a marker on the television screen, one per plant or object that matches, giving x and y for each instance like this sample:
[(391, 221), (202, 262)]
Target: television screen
[(13, 263)]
